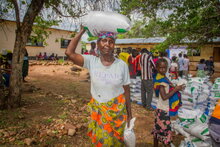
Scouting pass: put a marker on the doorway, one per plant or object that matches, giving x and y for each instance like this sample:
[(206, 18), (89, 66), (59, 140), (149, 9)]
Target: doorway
[(216, 54)]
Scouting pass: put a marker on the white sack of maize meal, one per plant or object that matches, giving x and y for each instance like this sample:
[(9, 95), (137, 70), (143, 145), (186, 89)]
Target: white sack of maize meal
[(98, 21), (199, 130)]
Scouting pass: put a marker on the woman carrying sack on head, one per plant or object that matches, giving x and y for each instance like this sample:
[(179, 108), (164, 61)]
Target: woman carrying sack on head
[(110, 104)]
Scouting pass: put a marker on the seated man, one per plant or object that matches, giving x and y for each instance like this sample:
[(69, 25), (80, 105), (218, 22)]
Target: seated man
[(45, 57), (40, 57), (52, 57)]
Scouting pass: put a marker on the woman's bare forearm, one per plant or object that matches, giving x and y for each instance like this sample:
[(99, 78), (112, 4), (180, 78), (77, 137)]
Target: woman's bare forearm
[(70, 51), (128, 100), (165, 95)]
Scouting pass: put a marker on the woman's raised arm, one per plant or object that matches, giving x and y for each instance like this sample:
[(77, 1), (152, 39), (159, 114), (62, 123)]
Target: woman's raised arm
[(70, 51)]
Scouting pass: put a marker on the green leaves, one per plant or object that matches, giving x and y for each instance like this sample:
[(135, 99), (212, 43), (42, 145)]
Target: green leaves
[(40, 27), (192, 20)]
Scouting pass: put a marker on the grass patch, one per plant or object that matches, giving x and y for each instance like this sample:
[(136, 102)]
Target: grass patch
[(47, 121), (19, 142), (60, 61), (63, 116)]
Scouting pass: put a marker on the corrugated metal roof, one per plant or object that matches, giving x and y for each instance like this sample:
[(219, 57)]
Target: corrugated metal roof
[(140, 40), (194, 41), (151, 40)]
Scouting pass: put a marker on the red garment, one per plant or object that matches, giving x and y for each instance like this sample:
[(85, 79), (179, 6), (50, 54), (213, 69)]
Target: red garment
[(134, 66), (155, 60), (138, 62), (86, 53)]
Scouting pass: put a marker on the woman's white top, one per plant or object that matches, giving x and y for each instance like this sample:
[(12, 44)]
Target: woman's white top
[(106, 81)]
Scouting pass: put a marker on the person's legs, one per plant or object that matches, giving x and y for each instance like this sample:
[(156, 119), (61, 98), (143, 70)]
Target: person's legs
[(185, 73), (138, 73), (162, 128), (143, 92), (149, 90), (155, 142)]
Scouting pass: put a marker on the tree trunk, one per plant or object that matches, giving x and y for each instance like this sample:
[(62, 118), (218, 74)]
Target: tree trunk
[(16, 74), (22, 34)]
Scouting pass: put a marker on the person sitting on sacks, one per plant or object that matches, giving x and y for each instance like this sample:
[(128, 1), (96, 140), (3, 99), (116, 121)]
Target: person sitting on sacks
[(110, 104)]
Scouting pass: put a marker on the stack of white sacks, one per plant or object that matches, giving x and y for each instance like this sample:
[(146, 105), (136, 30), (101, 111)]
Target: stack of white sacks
[(198, 101), (135, 90)]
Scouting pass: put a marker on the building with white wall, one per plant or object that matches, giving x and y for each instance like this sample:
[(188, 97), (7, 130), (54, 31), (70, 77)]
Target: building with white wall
[(56, 42)]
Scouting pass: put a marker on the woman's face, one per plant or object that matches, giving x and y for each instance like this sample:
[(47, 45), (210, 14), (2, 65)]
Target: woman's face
[(106, 46), (162, 68)]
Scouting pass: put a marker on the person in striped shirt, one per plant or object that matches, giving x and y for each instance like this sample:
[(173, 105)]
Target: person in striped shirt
[(147, 65)]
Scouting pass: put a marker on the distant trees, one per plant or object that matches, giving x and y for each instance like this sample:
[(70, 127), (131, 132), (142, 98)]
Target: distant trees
[(182, 19)]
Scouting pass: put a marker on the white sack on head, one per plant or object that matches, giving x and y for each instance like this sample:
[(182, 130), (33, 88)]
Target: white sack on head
[(99, 21)]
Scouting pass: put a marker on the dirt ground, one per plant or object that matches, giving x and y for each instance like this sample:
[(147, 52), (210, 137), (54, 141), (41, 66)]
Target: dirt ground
[(53, 111)]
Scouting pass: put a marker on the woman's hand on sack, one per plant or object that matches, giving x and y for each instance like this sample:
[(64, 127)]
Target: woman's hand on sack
[(82, 29), (180, 87)]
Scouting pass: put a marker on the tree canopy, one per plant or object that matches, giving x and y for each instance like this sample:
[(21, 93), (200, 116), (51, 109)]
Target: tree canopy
[(177, 20)]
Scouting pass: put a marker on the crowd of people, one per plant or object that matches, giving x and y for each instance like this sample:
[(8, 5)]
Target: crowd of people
[(111, 73), (46, 57)]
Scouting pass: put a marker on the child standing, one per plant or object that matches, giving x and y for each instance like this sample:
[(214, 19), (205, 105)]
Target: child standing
[(167, 106)]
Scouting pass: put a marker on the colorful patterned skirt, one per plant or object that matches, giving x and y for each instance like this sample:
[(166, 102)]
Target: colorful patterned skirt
[(162, 127), (108, 120)]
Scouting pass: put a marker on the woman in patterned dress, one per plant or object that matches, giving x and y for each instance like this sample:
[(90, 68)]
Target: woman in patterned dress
[(110, 104)]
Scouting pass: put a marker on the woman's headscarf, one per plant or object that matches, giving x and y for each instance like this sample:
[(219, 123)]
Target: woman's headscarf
[(103, 35)]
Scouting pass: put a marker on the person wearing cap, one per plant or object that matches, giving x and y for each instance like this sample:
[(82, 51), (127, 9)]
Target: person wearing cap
[(110, 104), (155, 57)]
